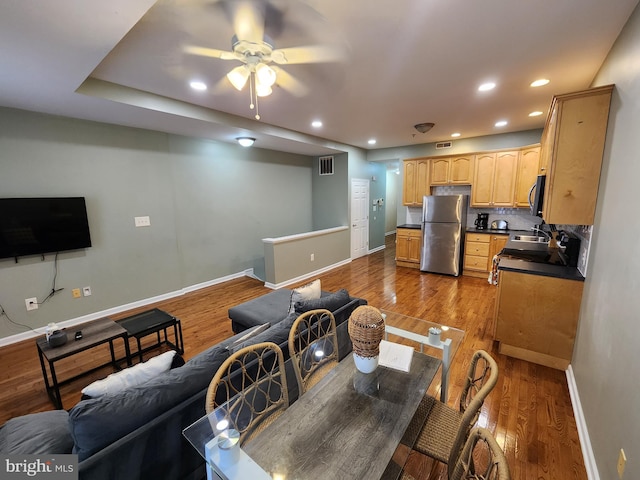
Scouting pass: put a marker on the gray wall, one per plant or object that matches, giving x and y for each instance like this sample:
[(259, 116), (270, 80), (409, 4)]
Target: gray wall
[(210, 205), (605, 361)]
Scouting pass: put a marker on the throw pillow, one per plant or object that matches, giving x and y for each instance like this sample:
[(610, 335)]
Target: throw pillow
[(331, 302), (130, 377), (37, 433), (309, 291)]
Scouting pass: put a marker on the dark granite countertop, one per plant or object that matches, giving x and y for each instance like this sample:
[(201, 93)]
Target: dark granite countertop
[(415, 226), (502, 231), (543, 269)]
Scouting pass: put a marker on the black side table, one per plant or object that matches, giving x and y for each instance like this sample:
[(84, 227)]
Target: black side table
[(94, 333), (153, 321)]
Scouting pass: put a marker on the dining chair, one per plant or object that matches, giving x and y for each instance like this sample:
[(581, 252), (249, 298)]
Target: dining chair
[(313, 346), (444, 432), (251, 385), (481, 459)]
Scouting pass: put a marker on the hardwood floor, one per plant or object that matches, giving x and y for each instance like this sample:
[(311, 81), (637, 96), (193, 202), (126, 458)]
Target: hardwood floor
[(529, 410)]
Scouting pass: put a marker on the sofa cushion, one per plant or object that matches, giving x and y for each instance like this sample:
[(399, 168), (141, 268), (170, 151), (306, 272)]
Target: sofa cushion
[(310, 291), (132, 376), (98, 422), (269, 308), (37, 433), (331, 302)]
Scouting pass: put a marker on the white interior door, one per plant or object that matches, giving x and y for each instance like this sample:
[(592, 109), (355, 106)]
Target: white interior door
[(359, 217)]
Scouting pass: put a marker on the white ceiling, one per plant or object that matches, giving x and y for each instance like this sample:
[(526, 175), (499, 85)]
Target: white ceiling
[(409, 61)]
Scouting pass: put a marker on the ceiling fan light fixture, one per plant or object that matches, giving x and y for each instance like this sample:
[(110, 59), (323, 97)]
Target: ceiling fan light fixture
[(424, 127), (263, 90), (239, 76), (245, 141), (265, 75)]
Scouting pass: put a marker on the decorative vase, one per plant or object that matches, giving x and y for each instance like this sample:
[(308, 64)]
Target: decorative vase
[(366, 330)]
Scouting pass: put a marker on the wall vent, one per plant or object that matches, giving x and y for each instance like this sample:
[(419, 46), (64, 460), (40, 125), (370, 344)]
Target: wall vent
[(326, 165), (441, 145)]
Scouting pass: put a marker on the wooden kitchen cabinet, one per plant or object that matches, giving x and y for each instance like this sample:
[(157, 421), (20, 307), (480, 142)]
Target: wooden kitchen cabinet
[(572, 148), (479, 249), (494, 179), (415, 181), (528, 169), (408, 245), (452, 170), (536, 317)]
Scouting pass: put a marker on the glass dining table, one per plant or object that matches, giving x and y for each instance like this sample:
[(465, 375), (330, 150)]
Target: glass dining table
[(349, 426)]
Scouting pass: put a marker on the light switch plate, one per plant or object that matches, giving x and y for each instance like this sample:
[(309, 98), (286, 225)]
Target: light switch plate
[(142, 221)]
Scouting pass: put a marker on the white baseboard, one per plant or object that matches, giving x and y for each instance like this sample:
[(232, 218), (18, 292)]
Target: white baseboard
[(581, 423), (123, 308), (306, 276), (377, 249)]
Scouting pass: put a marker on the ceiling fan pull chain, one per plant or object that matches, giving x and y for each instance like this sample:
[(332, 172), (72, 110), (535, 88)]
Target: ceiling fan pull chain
[(252, 79)]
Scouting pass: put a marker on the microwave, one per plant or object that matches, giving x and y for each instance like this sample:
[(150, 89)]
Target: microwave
[(536, 196)]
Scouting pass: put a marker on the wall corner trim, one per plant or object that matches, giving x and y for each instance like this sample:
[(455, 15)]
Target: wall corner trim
[(581, 423)]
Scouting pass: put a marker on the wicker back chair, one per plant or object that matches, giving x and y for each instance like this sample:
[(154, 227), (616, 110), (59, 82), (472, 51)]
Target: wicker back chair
[(313, 346), (481, 459), (445, 430), (252, 386)]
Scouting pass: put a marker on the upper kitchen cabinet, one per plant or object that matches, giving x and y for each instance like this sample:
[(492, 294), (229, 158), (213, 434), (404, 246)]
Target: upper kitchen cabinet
[(415, 181), (452, 170), (528, 168), (572, 147), (494, 179)]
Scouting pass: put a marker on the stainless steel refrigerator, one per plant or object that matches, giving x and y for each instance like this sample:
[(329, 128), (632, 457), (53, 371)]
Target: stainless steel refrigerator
[(444, 219)]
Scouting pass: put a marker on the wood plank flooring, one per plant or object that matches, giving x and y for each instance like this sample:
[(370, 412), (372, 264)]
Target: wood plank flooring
[(529, 410)]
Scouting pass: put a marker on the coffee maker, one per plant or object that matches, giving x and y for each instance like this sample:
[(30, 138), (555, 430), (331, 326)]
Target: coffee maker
[(482, 222)]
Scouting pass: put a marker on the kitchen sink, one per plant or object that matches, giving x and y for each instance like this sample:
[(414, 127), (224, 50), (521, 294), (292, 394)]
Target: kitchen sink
[(530, 239)]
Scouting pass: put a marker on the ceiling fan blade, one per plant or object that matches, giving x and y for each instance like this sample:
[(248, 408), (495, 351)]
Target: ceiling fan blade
[(309, 54), (248, 20), (290, 83), (210, 52)]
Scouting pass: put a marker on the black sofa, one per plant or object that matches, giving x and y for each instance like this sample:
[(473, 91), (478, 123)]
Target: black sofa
[(137, 434)]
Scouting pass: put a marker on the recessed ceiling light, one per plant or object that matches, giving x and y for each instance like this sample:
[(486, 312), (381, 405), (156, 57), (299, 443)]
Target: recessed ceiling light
[(501, 123), (198, 85), (539, 83), (485, 87), (455, 134), (372, 141), (316, 124), (537, 113)]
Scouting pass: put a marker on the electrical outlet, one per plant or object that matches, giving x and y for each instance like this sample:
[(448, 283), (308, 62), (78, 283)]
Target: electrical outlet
[(142, 221), (31, 303), (622, 461), (76, 293), (313, 257), (86, 291)]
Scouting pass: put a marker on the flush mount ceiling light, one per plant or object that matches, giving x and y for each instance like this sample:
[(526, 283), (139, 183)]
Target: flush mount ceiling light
[(423, 127), (539, 83), (245, 141)]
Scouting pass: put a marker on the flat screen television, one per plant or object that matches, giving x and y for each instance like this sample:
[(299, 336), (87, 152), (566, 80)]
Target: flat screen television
[(35, 226)]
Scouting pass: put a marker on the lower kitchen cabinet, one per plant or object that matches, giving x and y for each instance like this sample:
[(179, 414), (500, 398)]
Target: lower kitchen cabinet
[(536, 317), (479, 249), (408, 245)]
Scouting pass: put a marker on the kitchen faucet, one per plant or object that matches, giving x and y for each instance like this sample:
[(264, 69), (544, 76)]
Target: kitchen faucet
[(546, 234)]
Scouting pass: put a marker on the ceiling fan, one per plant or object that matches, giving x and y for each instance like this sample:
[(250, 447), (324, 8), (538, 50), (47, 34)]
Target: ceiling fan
[(256, 51)]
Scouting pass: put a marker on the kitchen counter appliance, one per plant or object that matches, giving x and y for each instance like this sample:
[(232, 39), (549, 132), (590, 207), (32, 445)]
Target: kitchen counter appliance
[(499, 225), (444, 218), (482, 222)]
